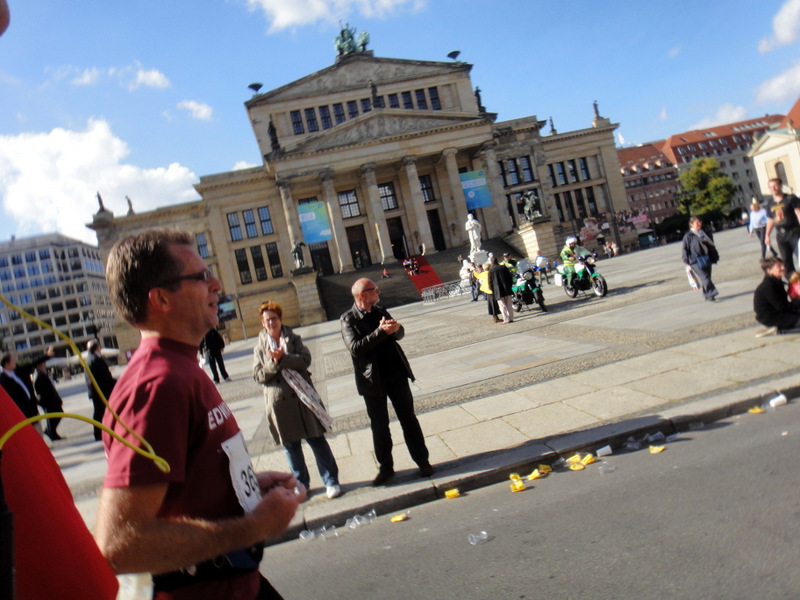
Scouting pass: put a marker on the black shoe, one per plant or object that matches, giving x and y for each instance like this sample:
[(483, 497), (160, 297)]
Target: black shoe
[(216, 381), (383, 477), (227, 379), (425, 471)]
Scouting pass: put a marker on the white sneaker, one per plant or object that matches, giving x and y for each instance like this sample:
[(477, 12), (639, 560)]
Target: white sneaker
[(767, 331), (333, 491)]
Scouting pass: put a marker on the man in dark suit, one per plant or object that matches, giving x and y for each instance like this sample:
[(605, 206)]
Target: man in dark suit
[(382, 370), (211, 348), (49, 398), (105, 381), (16, 388)]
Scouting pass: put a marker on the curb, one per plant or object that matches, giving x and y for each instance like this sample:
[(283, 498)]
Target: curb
[(471, 473)]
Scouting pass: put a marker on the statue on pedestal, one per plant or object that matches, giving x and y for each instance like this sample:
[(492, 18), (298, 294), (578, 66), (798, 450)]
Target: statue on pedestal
[(473, 228), (297, 253)]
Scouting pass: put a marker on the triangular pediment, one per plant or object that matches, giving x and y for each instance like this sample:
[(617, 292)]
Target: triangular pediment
[(379, 125), (357, 71), (771, 140)]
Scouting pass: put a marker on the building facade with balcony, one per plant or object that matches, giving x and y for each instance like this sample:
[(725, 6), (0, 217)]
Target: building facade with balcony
[(61, 282)]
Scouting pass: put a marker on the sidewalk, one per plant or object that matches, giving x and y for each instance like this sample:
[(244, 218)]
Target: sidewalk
[(512, 399)]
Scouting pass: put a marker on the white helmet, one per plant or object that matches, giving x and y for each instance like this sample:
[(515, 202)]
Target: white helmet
[(572, 240)]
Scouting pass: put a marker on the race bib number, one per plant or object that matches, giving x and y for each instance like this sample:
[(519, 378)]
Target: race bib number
[(243, 476)]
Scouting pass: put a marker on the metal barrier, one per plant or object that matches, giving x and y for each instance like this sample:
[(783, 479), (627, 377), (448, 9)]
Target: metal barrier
[(450, 289)]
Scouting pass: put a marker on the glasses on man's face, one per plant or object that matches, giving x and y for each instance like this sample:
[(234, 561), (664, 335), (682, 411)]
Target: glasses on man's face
[(270, 319), (204, 276)]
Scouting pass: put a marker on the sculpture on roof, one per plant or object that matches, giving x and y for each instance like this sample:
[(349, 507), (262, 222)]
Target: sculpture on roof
[(130, 206), (345, 42), (100, 201)]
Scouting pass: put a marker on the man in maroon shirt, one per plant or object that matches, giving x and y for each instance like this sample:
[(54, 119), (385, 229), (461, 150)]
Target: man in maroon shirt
[(198, 528)]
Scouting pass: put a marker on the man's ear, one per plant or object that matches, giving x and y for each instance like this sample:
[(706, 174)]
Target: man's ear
[(158, 300)]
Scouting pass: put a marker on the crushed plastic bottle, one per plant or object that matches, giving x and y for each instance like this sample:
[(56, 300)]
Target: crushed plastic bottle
[(358, 520), (655, 437), (632, 444), (307, 535), (477, 538)]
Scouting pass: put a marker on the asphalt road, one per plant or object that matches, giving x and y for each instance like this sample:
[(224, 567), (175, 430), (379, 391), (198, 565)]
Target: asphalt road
[(715, 515)]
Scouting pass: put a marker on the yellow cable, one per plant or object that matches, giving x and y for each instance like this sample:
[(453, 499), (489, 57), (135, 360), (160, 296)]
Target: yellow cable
[(159, 462), (148, 452)]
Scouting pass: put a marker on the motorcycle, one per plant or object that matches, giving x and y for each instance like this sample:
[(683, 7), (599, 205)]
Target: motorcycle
[(585, 278), (527, 288)]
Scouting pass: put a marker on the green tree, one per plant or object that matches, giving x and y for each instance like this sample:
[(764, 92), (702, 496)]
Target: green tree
[(705, 188)]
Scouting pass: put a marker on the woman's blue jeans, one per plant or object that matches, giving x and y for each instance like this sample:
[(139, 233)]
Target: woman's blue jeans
[(326, 463)]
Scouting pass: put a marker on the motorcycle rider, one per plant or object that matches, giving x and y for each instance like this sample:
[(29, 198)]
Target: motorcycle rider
[(569, 257)]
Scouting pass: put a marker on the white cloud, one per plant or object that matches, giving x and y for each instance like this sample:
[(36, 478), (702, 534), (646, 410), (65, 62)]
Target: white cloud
[(785, 27), (674, 51), (243, 164), (87, 77), (727, 113), (48, 180), (282, 14), (150, 78), (662, 116), (198, 110), (783, 88)]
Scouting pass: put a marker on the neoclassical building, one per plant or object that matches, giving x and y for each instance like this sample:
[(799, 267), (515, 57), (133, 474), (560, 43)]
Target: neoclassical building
[(374, 159)]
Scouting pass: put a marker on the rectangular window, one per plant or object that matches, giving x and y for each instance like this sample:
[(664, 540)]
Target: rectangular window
[(43, 255), (352, 109), (19, 272), (393, 101), (338, 113), (527, 169), (244, 267), (234, 227), (590, 200), (559, 210), (266, 221), (427, 188), (562, 176), (349, 204), (407, 103), (202, 245), (297, 122), (16, 259), (511, 171), (366, 105), (580, 204), (552, 175), (388, 197), (573, 171), (325, 117), (311, 120), (433, 94), (422, 103), (30, 257), (274, 260), (585, 169), (250, 223), (258, 263)]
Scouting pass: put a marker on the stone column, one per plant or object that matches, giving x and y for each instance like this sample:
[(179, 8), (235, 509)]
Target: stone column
[(337, 228), (292, 223), (417, 204), (501, 218), (375, 213), (459, 202)]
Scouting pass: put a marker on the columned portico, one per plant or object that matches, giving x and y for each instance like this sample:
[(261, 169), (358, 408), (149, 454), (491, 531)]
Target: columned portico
[(337, 228), (375, 213), (500, 219), (457, 194), (292, 221), (418, 203)]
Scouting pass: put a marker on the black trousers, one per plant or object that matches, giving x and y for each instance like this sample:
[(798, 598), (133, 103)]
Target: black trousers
[(215, 360), (786, 240), (399, 392)]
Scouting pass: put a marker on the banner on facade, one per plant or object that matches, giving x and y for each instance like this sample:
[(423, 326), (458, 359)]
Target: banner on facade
[(476, 189), (314, 222)]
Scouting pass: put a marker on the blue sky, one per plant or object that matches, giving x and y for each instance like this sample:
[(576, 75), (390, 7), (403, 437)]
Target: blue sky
[(142, 98)]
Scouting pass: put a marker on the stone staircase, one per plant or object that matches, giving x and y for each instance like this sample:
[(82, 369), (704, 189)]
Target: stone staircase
[(397, 289)]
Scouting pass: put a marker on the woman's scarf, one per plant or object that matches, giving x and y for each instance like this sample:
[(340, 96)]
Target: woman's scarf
[(304, 390)]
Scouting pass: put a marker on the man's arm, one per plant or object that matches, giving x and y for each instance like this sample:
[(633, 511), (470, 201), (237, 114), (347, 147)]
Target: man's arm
[(134, 539)]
